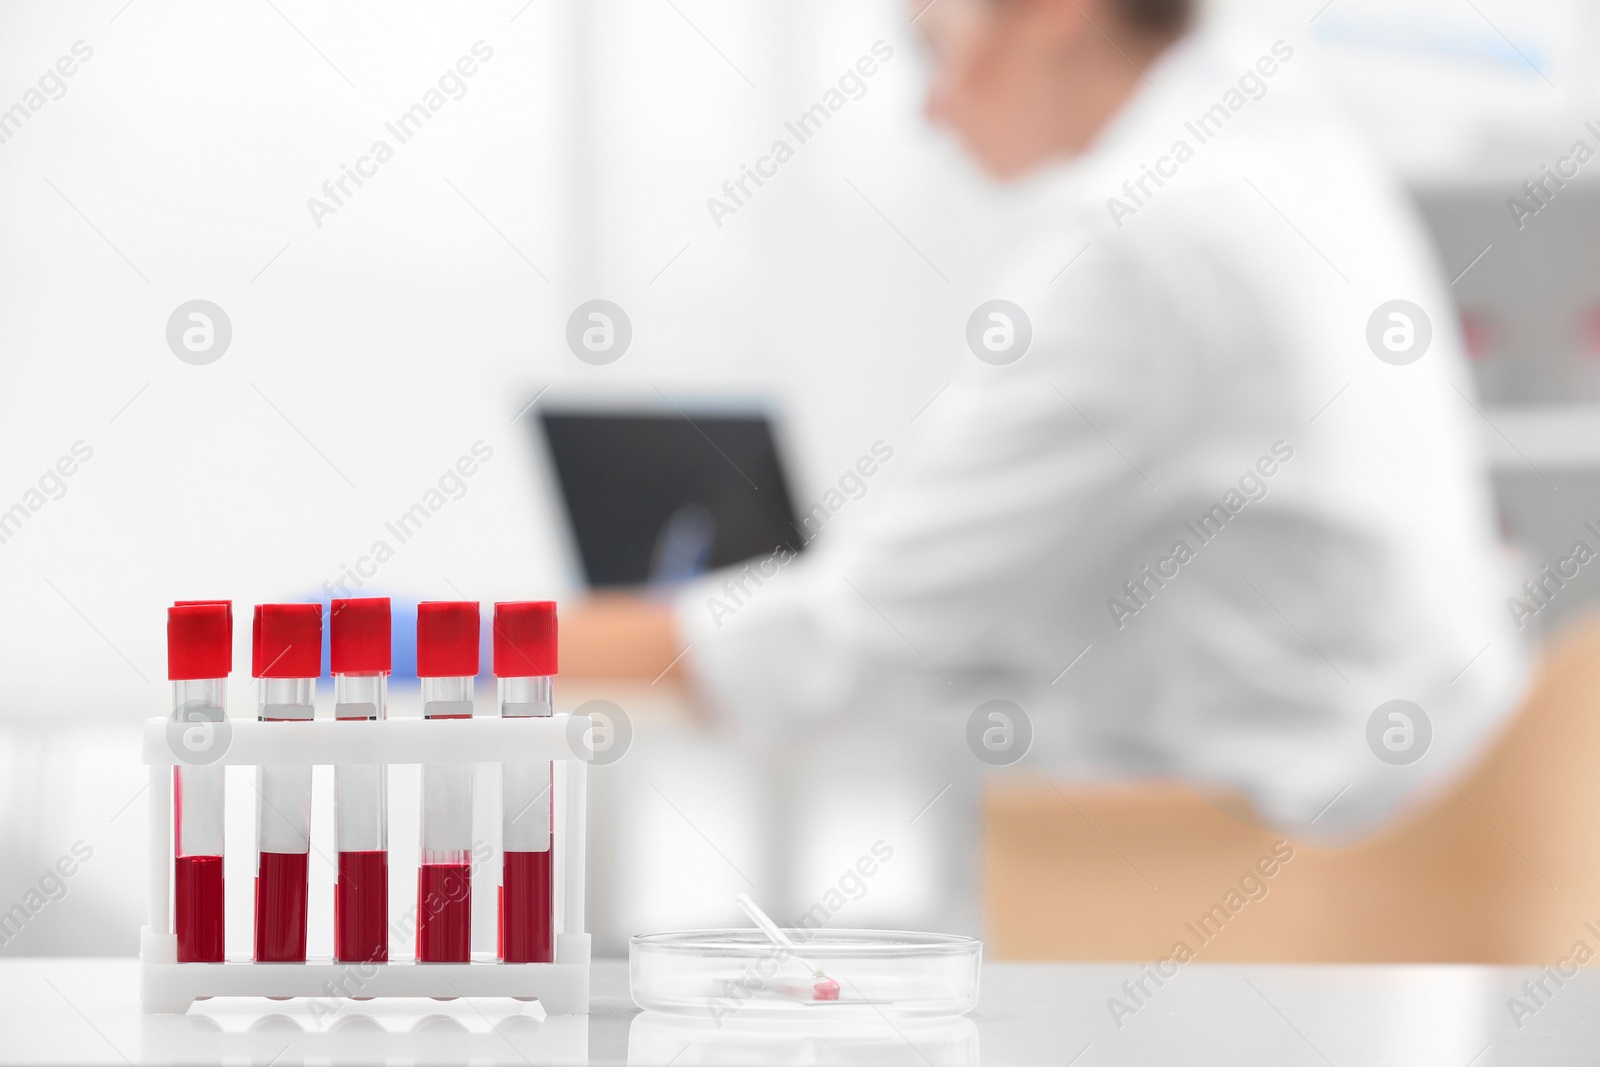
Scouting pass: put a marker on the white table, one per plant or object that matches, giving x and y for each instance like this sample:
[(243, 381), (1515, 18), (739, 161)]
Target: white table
[(86, 1011)]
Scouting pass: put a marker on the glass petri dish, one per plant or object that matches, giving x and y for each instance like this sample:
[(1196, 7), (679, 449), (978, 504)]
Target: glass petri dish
[(721, 974)]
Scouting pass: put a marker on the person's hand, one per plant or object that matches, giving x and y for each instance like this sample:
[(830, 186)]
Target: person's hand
[(616, 635)]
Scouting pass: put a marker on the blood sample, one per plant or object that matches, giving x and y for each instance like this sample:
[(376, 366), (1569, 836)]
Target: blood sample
[(524, 663), (359, 648), (447, 664), (199, 660), (286, 658)]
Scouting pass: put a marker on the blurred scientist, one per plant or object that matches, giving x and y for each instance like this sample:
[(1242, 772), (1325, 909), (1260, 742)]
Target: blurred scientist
[(1227, 501)]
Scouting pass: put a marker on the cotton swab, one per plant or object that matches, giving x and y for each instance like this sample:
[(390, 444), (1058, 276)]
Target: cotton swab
[(822, 987)]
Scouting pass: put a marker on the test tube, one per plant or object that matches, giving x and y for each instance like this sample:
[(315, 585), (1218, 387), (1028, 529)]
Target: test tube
[(359, 648), (286, 659), (524, 663), (199, 660), (447, 664)]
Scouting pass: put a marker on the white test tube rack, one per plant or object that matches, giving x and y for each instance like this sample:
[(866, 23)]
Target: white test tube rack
[(562, 987)]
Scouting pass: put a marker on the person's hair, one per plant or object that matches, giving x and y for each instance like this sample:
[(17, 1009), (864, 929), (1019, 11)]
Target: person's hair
[(1156, 16)]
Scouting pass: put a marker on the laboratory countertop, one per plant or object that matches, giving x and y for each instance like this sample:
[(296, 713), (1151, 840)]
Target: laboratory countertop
[(87, 1011)]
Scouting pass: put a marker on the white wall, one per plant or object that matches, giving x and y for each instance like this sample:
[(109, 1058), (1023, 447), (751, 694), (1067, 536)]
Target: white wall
[(1452, 92)]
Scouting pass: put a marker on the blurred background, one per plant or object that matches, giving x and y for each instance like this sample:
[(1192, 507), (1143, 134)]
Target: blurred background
[(424, 319)]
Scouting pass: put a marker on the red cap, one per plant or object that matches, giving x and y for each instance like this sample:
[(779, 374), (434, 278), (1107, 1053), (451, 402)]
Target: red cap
[(359, 640), (196, 603), (447, 638), (286, 641), (199, 639), (525, 639)]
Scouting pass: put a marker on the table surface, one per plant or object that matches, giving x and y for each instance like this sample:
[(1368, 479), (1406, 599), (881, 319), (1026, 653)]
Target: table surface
[(87, 1011)]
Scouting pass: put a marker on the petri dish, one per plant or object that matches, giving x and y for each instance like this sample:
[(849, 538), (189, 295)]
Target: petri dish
[(720, 974)]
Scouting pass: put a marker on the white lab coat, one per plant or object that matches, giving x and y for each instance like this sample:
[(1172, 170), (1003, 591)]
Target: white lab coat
[(1217, 329)]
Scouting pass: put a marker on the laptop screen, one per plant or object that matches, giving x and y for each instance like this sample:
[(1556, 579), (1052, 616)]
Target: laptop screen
[(654, 498)]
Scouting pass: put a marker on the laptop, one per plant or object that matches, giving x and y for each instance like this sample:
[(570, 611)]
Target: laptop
[(654, 497)]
